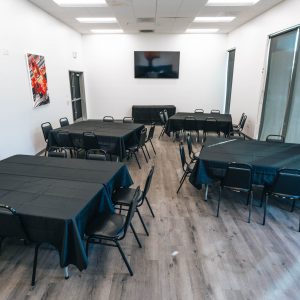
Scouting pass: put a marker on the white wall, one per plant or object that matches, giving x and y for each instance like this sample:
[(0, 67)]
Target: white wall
[(251, 43), (112, 89), (25, 28)]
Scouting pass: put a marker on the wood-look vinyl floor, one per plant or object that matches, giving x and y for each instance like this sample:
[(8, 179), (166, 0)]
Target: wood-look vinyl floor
[(215, 258)]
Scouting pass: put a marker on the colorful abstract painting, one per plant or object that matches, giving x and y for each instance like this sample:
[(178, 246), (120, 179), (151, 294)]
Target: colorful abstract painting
[(38, 79)]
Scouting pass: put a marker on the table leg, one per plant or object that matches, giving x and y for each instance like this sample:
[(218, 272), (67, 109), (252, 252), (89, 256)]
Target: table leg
[(206, 192), (66, 271)]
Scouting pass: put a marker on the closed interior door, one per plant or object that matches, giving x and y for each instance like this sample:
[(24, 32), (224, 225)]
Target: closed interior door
[(76, 95)]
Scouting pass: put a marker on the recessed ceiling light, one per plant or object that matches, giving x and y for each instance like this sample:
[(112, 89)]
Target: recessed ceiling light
[(231, 2), (80, 3), (107, 31), (97, 20), (202, 30), (213, 19)]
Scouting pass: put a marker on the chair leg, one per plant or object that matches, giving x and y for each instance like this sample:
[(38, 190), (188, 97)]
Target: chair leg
[(206, 192), (265, 209), (250, 206), (219, 201), (36, 251), (124, 258), (293, 205), (152, 146), (137, 160), (182, 181), (143, 223), (135, 235), (149, 207), (147, 151), (144, 154), (87, 247)]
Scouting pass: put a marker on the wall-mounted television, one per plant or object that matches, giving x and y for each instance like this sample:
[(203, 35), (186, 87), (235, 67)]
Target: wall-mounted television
[(156, 64)]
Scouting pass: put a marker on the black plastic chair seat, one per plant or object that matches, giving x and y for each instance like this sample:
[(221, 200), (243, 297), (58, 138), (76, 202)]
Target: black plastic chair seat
[(124, 196), (107, 225)]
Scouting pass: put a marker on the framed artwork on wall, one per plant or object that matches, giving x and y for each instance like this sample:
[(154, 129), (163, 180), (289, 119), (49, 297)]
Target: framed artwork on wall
[(38, 79)]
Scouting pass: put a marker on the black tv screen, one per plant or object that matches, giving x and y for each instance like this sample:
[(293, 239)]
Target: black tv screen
[(156, 64)]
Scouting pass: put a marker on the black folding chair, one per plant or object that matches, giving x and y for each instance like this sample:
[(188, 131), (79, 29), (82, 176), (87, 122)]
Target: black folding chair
[(46, 128), (192, 154), (275, 138), (210, 125), (140, 145), (128, 120), (235, 126), (238, 177), (93, 150), (215, 111), (187, 168), (123, 198), (151, 135), (64, 140), (240, 126), (199, 110), (64, 122), (57, 152), (11, 226), (108, 119), (109, 229), (163, 123), (285, 186)]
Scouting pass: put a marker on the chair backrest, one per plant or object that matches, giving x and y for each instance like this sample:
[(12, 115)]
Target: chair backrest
[(238, 176), (10, 223), (182, 155), (241, 119), (131, 210), (128, 120), (99, 155), (64, 139), (189, 144), (166, 115), (64, 122), (46, 128), (190, 123), (162, 117), (108, 119), (274, 138), (243, 122), (143, 137), (90, 141), (215, 111), (211, 125), (151, 132), (287, 182), (57, 152), (199, 110), (148, 182)]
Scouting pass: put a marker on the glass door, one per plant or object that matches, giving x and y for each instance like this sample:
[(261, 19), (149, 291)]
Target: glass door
[(278, 95), (77, 95), (230, 67)]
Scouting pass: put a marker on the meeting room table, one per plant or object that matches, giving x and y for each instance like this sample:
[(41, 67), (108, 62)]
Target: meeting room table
[(196, 121), (265, 158), (56, 198), (118, 135)]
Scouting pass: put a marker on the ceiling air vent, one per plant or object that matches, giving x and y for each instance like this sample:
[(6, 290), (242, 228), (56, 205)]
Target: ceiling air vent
[(145, 20), (146, 30)]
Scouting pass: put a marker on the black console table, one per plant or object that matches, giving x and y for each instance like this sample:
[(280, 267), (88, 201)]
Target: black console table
[(146, 114)]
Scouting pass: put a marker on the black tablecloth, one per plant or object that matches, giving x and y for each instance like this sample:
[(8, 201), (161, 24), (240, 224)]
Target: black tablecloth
[(265, 158), (178, 122), (56, 197), (118, 135), (147, 114)]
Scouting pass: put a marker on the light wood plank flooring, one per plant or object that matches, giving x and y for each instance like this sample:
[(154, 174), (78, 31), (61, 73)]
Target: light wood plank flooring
[(217, 258)]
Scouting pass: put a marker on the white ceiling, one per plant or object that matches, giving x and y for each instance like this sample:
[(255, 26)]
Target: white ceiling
[(169, 16)]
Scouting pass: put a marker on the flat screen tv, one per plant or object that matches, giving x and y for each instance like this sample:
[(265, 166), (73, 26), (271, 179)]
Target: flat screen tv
[(156, 64)]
